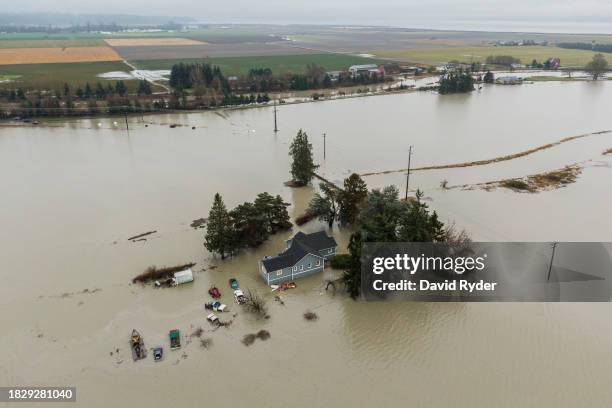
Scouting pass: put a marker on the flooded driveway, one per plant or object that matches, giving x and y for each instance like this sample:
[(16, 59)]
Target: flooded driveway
[(73, 193)]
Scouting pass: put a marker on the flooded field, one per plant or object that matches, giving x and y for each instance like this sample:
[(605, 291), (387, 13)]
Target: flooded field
[(73, 193)]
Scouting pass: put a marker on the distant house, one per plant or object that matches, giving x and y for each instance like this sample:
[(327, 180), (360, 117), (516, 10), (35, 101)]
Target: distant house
[(409, 69), (552, 63), (509, 80), (363, 69), (304, 255), (391, 69), (518, 66)]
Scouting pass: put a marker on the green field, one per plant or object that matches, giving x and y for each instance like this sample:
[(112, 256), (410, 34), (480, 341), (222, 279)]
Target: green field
[(479, 54), (279, 64), (53, 76)]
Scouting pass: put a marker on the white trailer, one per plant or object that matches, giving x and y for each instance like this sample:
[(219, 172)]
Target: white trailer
[(181, 277)]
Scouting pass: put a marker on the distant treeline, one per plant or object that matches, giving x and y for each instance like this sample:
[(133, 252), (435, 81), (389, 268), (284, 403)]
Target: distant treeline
[(502, 60), (587, 46), (202, 77), (456, 82)]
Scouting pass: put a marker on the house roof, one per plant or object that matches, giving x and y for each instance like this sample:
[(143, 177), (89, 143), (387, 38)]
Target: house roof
[(301, 245)]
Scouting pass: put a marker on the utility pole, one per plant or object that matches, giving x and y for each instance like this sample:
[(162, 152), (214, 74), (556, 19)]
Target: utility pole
[(126, 122), (408, 171), (323, 146), (275, 125), (554, 246)]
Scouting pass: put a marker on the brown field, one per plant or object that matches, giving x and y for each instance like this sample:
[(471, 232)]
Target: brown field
[(12, 56), (149, 42)]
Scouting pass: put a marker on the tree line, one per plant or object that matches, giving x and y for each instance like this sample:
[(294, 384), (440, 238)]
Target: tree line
[(586, 46), (456, 82), (248, 225)]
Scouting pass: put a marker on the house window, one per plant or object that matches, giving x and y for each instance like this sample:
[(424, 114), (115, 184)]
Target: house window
[(309, 265), (318, 263), (279, 272), (295, 269), (301, 267)]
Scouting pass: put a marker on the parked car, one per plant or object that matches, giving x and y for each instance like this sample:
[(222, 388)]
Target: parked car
[(158, 353), (239, 296)]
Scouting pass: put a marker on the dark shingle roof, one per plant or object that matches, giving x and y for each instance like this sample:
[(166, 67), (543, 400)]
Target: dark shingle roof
[(301, 245)]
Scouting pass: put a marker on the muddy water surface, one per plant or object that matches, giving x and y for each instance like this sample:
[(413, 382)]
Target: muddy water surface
[(73, 194)]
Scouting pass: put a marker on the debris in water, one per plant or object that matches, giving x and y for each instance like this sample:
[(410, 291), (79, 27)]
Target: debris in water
[(310, 316), (141, 235), (153, 273), (206, 343), (199, 223), (197, 333), (249, 339), (263, 335), (609, 151), (279, 300)]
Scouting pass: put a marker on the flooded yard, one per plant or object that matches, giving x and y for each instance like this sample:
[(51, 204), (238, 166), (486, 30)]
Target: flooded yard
[(73, 193)]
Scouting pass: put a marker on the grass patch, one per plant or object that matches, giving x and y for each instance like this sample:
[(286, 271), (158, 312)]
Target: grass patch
[(543, 181), (515, 185), (53, 76), (279, 64), (480, 53)]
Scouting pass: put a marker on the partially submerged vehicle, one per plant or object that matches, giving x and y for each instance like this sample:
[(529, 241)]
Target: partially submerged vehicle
[(212, 318), (214, 292), (137, 344), (158, 353), (233, 283), (216, 306), (239, 296), (175, 339)]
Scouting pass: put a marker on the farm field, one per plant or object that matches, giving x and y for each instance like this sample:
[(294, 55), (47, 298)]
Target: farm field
[(11, 56), (479, 54), (150, 42), (52, 43), (53, 76), (277, 63), (207, 50)]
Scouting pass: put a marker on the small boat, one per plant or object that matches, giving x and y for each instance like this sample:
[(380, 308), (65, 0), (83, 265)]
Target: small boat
[(137, 344), (158, 353), (233, 283), (216, 306), (239, 296), (175, 339), (214, 292)]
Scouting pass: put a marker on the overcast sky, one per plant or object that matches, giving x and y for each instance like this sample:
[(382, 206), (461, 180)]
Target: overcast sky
[(534, 15)]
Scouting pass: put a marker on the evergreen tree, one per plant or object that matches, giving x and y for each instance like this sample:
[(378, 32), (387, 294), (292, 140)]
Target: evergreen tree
[(120, 88), (352, 275), (488, 78), (100, 91), (219, 232), (349, 200), (418, 225), (250, 226), (144, 88), (302, 165), (88, 93)]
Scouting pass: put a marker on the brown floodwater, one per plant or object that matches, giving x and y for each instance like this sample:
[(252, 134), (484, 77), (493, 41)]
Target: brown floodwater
[(73, 193)]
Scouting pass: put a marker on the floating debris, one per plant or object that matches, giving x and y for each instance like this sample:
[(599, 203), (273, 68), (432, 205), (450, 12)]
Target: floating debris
[(279, 300), (206, 343), (199, 223), (609, 151), (249, 339), (153, 273), (310, 316), (197, 332), (135, 237), (263, 335)]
